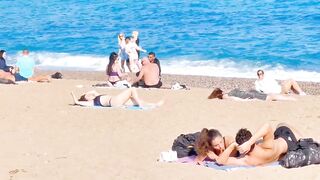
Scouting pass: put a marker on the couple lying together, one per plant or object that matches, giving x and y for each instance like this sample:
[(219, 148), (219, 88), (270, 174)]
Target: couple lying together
[(247, 149)]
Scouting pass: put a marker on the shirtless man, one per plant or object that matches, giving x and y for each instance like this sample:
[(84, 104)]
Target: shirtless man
[(149, 74), (274, 145)]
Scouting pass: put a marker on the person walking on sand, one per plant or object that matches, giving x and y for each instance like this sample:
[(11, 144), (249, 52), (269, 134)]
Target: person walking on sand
[(126, 97), (271, 86), (149, 74)]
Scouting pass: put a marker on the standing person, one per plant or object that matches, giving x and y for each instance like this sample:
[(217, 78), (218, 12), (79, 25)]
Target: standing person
[(271, 86), (149, 74), (25, 69), (122, 50), (131, 50), (152, 58), (135, 35), (6, 72)]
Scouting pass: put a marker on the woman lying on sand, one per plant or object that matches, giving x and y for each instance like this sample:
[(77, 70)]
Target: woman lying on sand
[(239, 95), (127, 97), (210, 144)]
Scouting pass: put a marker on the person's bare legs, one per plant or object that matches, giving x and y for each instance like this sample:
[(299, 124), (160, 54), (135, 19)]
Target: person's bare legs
[(130, 94), (40, 78), (279, 97), (81, 103), (291, 85), (7, 76)]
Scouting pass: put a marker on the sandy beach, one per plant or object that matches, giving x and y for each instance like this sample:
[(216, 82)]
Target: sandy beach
[(45, 137)]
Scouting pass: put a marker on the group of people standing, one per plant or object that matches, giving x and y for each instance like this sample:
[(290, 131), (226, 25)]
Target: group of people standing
[(148, 72)]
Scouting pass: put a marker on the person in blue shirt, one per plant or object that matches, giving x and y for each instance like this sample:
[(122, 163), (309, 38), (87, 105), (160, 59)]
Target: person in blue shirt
[(25, 69)]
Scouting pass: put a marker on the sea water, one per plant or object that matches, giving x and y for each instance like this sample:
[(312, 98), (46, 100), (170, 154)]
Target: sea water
[(214, 38)]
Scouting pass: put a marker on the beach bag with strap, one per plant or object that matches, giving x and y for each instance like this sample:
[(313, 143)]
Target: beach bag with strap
[(184, 144), (307, 153)]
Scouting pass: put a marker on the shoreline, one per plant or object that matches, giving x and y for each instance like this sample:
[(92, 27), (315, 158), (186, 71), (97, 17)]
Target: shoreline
[(225, 83)]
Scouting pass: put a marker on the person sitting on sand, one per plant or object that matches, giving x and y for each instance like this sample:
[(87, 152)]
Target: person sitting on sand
[(127, 97), (271, 86), (274, 145), (152, 58), (149, 74), (24, 70), (6, 72), (239, 95), (210, 144), (113, 70)]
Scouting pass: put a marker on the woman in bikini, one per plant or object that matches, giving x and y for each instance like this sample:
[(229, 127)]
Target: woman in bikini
[(113, 70), (127, 97), (212, 145)]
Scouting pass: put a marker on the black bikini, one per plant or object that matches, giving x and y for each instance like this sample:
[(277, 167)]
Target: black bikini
[(97, 102)]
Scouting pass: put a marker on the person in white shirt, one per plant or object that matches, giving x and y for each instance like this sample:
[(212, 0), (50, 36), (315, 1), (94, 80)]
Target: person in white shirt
[(271, 86), (131, 50), (122, 50)]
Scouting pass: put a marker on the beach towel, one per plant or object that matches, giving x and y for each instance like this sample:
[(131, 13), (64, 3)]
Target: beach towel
[(211, 164), (120, 84), (132, 107)]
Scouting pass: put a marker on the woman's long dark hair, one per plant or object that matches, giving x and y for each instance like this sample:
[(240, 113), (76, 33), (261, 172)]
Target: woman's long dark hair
[(1, 53), (112, 58), (203, 143), (216, 93)]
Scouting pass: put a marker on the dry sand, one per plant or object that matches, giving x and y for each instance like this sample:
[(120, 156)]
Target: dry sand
[(44, 137)]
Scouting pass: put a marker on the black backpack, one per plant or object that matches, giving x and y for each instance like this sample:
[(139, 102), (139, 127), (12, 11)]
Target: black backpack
[(184, 144), (307, 153), (57, 75)]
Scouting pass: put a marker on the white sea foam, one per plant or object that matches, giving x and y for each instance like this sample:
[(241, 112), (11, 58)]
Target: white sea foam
[(219, 68)]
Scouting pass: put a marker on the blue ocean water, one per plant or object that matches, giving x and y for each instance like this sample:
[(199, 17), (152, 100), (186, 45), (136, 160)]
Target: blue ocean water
[(216, 38)]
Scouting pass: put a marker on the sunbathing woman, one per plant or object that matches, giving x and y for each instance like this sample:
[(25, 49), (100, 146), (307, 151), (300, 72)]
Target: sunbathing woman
[(210, 144), (239, 95), (127, 97)]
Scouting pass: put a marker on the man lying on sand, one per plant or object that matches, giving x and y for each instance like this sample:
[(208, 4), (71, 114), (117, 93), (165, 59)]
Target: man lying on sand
[(274, 145)]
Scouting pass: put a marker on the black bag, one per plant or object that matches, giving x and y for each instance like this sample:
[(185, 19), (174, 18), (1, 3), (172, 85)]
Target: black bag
[(307, 153), (57, 75), (184, 144)]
